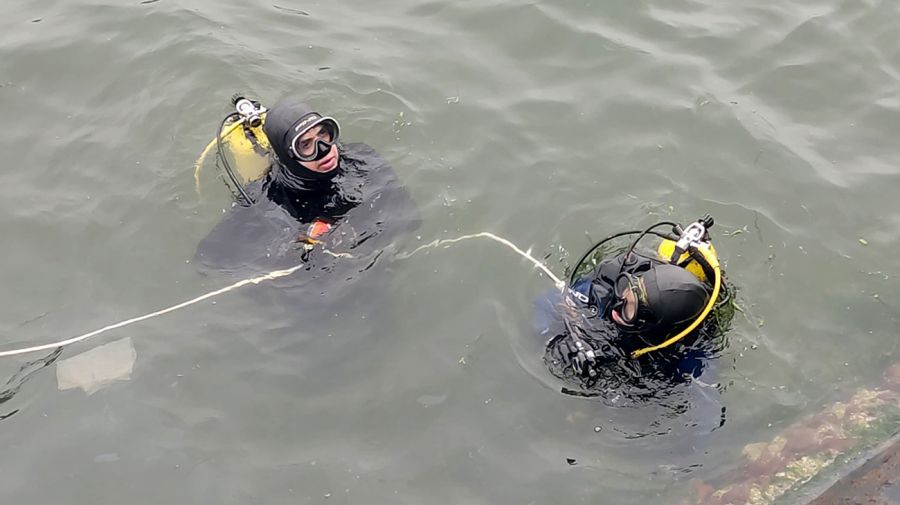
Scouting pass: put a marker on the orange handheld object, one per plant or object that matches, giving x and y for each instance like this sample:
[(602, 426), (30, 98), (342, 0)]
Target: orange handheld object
[(316, 230)]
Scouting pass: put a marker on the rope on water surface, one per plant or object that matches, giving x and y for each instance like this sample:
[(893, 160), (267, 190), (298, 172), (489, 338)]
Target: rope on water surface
[(255, 280), (525, 254), (275, 274)]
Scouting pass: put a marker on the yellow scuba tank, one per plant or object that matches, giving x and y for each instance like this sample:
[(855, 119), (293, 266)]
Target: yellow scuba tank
[(667, 248), (696, 250), (242, 138), (249, 150)]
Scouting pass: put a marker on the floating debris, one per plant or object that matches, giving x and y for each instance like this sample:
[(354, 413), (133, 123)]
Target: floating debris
[(292, 11), (99, 367), (431, 400)]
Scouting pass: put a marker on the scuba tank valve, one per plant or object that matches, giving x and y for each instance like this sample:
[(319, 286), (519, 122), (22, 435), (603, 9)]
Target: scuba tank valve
[(248, 110), (693, 235), (242, 129)]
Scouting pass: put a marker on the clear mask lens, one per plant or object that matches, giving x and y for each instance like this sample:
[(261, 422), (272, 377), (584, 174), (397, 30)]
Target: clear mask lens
[(315, 143), (626, 303)]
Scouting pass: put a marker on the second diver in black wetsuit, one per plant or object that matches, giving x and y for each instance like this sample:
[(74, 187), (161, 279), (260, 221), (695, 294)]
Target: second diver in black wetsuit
[(635, 315)]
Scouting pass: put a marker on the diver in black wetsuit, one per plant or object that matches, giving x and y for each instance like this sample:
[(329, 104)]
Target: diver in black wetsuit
[(634, 305), (318, 194)]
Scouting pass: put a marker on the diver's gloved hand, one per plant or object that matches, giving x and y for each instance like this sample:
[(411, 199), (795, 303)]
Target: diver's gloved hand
[(586, 356), (582, 356)]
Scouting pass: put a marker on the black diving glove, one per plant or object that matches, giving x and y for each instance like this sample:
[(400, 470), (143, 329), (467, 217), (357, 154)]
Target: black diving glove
[(582, 357), (587, 355)]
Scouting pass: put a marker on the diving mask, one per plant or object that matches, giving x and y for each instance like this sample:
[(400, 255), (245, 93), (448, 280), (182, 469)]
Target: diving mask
[(627, 298), (314, 147)]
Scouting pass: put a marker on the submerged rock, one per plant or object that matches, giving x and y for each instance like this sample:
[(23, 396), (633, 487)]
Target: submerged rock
[(806, 448)]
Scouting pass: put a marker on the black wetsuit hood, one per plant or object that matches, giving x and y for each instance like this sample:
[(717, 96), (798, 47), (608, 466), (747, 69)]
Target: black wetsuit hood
[(281, 121), (670, 298)]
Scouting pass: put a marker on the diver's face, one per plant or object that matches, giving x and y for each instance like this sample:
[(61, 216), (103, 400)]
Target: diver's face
[(307, 143)]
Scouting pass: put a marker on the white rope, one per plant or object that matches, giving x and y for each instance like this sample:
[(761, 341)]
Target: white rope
[(526, 254), (255, 280), (267, 277)]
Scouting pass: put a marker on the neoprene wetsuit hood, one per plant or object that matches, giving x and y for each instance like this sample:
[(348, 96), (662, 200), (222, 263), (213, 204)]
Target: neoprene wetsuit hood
[(669, 298), (284, 121)]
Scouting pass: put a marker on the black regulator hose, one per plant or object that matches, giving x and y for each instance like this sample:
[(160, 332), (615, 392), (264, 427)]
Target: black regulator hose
[(614, 236), (228, 170), (675, 227)]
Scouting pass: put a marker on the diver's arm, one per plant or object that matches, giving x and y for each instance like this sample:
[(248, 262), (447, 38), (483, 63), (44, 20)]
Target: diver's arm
[(405, 211), (248, 238), (388, 212)]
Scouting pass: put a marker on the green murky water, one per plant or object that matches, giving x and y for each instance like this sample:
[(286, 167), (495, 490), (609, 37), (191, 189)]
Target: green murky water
[(549, 123)]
